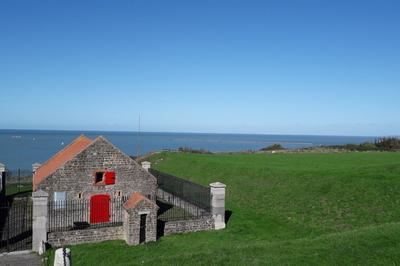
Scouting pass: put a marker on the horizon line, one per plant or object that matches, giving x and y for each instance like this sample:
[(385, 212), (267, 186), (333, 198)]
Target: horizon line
[(188, 132)]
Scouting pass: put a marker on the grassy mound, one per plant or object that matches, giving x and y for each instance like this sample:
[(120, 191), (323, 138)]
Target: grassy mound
[(286, 209)]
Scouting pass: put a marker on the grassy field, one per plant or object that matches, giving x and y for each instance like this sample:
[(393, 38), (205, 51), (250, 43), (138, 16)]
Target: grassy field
[(309, 209), (19, 190)]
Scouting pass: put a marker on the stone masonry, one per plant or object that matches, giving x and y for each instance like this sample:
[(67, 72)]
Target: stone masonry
[(218, 204), (39, 219), (2, 180), (74, 237), (185, 226), (133, 210), (77, 175)]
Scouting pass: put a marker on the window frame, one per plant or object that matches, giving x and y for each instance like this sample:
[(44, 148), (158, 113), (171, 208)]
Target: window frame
[(60, 203)]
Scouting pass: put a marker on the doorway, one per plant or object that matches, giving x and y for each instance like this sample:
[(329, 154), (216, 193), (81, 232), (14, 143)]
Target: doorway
[(142, 233), (100, 209)]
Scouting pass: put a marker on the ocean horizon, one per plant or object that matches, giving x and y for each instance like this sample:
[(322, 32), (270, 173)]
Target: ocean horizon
[(20, 148)]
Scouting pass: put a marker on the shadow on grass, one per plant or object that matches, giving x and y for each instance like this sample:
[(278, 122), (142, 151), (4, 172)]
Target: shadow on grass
[(228, 214)]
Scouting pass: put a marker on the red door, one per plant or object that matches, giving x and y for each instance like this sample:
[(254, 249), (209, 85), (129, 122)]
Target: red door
[(100, 209)]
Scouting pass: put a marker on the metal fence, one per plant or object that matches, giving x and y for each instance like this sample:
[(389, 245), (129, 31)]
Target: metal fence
[(18, 176), (15, 225), (18, 182), (76, 214), (172, 208), (190, 192)]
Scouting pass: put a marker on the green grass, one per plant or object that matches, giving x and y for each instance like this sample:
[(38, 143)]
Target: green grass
[(286, 209), (19, 190)]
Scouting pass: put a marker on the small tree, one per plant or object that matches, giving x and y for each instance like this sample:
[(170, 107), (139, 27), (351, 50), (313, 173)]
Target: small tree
[(273, 147)]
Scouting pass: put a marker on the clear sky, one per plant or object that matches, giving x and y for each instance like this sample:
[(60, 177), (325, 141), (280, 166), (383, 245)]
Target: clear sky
[(280, 67)]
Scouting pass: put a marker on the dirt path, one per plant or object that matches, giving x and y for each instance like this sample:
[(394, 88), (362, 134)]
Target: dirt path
[(20, 259)]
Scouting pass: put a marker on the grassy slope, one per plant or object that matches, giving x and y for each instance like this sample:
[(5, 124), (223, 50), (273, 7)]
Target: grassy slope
[(287, 209)]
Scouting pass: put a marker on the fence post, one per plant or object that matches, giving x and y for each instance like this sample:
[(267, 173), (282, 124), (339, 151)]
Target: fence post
[(217, 190), (39, 219), (2, 180), (146, 165)]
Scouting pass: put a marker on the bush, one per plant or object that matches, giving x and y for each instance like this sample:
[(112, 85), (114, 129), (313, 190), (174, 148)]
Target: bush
[(190, 150), (381, 144), (366, 146), (273, 147), (388, 144)]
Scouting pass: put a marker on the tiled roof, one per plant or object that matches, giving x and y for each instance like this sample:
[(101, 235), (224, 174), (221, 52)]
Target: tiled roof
[(134, 200), (60, 158)]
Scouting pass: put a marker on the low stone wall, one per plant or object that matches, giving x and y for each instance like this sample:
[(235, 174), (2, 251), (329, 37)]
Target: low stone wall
[(74, 237), (184, 226)]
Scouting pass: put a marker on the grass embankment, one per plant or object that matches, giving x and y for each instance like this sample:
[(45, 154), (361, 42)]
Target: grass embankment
[(286, 209)]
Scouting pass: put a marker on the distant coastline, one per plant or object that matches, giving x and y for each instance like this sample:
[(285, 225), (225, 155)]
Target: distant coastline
[(29, 146)]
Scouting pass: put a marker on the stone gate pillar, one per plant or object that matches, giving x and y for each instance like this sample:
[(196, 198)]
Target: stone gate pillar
[(2, 180), (217, 190), (39, 219), (146, 165)]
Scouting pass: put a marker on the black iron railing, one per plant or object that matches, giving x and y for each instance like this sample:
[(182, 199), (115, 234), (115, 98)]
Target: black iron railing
[(81, 214), (15, 225), (185, 190), (172, 208)]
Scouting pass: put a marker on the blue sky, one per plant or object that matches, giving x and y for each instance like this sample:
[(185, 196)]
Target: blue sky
[(280, 67)]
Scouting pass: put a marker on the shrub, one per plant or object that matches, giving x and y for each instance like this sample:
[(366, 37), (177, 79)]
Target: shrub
[(273, 147), (388, 144), (191, 150)]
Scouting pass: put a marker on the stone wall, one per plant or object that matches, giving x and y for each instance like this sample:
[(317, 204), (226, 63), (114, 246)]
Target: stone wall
[(74, 237), (77, 175), (184, 226)]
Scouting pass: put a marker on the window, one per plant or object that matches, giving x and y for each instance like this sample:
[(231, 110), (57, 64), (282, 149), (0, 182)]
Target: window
[(118, 193), (60, 198), (98, 178), (80, 195), (104, 178)]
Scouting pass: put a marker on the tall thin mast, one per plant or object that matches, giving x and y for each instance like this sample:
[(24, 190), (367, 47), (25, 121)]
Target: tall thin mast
[(138, 140)]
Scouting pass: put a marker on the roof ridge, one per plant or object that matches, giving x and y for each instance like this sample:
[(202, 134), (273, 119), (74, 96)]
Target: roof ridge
[(135, 198)]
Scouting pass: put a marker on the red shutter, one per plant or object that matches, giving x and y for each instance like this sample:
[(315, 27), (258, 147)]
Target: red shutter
[(109, 177)]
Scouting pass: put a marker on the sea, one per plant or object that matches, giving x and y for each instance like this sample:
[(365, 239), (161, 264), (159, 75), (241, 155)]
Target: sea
[(19, 149)]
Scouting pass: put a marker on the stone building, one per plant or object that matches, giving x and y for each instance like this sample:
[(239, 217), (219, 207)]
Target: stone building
[(96, 171), (100, 175)]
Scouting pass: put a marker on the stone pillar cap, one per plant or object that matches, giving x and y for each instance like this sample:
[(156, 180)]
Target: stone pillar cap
[(40, 193), (218, 185), (146, 163)]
